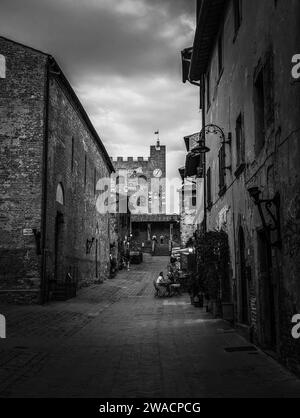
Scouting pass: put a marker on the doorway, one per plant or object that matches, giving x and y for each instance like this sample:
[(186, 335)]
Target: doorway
[(59, 244), (96, 259), (267, 293), (244, 305)]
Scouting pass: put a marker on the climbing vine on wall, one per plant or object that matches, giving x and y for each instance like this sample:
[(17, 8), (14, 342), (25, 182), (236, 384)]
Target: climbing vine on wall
[(212, 255)]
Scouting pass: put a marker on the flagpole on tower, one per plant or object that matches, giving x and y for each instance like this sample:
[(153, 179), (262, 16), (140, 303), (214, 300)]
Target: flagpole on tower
[(157, 139)]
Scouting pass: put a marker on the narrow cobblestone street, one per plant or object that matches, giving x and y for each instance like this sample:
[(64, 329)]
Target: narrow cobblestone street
[(117, 340)]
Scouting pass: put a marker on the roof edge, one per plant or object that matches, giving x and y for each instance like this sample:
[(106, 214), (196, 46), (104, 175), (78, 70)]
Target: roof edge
[(82, 111), (24, 46), (212, 11), (74, 97)]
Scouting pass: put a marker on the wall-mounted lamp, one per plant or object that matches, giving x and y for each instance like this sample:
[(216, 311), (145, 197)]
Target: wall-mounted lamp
[(200, 149), (191, 250), (272, 207)]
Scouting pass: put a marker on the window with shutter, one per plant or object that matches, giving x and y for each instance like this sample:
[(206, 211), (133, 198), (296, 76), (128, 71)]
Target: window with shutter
[(208, 103), (72, 154), (268, 74), (263, 101), (85, 169), (95, 180), (2, 66), (222, 170), (240, 145), (237, 8), (208, 187), (259, 111)]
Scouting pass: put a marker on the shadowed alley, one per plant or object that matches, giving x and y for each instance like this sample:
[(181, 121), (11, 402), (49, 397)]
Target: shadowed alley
[(117, 340)]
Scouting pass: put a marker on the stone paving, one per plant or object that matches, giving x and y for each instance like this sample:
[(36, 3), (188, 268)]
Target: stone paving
[(117, 340)]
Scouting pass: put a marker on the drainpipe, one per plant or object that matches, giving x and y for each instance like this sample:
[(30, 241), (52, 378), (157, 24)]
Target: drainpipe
[(44, 296)]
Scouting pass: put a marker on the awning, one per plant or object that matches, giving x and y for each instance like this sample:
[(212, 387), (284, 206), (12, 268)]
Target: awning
[(182, 173), (191, 164)]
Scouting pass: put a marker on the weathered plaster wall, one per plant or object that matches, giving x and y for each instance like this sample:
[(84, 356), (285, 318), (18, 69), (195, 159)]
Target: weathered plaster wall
[(266, 25)]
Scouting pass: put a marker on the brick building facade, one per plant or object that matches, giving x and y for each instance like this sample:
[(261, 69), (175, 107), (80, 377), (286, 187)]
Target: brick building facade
[(188, 210), (143, 179), (51, 160), (241, 59)]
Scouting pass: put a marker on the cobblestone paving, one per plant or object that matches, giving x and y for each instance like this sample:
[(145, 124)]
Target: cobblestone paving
[(116, 340)]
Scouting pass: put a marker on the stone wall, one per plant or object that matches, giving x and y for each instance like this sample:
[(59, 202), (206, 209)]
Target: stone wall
[(188, 211), (76, 162), (145, 166), (119, 231), (21, 156), (76, 235), (269, 33)]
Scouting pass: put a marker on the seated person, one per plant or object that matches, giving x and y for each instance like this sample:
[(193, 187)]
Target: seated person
[(174, 268), (170, 278), (161, 281)]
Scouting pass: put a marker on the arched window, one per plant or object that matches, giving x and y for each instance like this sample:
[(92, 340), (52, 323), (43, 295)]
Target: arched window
[(141, 201), (244, 298), (60, 198), (2, 66), (142, 182), (120, 180)]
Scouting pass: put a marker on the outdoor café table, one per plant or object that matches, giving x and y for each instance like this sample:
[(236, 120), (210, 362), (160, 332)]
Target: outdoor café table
[(184, 280), (175, 288), (166, 286)]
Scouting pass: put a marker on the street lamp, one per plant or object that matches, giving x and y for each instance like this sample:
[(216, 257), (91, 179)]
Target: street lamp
[(212, 129), (200, 149), (272, 207), (191, 250)]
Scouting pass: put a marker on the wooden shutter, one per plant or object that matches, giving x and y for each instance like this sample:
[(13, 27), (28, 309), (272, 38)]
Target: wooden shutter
[(268, 74)]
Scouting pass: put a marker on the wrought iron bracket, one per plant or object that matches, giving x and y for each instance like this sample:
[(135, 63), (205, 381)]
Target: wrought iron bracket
[(272, 208), (229, 140), (214, 129), (89, 245)]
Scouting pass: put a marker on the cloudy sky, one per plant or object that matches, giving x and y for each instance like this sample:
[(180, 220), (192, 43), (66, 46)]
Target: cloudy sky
[(122, 58)]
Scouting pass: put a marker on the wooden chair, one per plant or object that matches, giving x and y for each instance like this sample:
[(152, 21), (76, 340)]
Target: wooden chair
[(160, 291)]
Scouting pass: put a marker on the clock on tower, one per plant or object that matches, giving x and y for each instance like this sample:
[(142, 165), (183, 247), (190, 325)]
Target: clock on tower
[(157, 173)]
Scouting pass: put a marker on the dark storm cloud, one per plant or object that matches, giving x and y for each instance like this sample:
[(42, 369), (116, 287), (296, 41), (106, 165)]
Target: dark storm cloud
[(123, 60), (117, 36)]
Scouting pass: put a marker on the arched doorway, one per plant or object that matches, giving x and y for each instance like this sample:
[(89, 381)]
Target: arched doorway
[(268, 293), (59, 241), (59, 235), (244, 299)]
